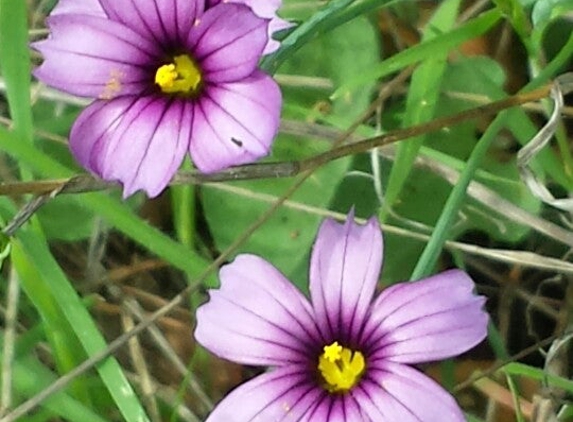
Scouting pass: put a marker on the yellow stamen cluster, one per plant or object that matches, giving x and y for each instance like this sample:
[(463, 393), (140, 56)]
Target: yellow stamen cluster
[(340, 367), (180, 77)]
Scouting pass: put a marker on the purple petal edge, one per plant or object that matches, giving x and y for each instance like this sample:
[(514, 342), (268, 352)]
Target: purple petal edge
[(257, 317), (431, 319)]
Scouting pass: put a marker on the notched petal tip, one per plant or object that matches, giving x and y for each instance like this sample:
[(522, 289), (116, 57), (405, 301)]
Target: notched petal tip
[(344, 270), (266, 9), (256, 317), (82, 7), (275, 25)]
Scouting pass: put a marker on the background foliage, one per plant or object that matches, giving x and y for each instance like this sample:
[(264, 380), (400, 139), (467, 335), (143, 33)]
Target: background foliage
[(87, 267)]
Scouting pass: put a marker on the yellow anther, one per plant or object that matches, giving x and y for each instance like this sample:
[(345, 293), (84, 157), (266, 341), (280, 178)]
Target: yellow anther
[(332, 351), (182, 76), (166, 75), (340, 368)]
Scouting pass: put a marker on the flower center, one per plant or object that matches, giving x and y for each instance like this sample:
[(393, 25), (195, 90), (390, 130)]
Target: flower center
[(180, 77), (341, 368)]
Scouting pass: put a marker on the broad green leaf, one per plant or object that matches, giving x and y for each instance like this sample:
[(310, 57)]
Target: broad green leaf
[(65, 219), (287, 237), (320, 21), (482, 77), (427, 261), (544, 11)]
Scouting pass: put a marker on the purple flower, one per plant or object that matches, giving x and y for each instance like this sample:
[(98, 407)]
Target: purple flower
[(168, 77), (344, 356)]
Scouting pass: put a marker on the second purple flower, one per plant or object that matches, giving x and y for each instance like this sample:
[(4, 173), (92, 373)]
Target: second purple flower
[(345, 355), (169, 77)]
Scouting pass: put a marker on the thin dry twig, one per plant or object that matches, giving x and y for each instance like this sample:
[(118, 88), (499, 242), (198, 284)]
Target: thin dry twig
[(169, 396), (503, 396), (163, 345), (510, 257), (97, 275), (85, 183), (140, 365), (497, 366), (112, 347), (563, 85)]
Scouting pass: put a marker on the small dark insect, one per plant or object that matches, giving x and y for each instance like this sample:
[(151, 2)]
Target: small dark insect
[(237, 142)]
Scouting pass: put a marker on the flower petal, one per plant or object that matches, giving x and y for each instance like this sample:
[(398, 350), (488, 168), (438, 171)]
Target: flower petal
[(427, 320), (82, 7), (285, 394), (268, 9), (235, 123), (344, 269), (276, 25), (228, 42), (335, 408), (74, 63), (166, 21), (396, 392), (140, 142), (257, 317), (265, 9)]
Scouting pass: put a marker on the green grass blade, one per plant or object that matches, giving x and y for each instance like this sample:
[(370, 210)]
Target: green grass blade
[(183, 206), (30, 377), (116, 213), (429, 257), (515, 397), (427, 261), (31, 249), (538, 374), (15, 64), (124, 219), (58, 331), (422, 99), (424, 51), (321, 21)]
